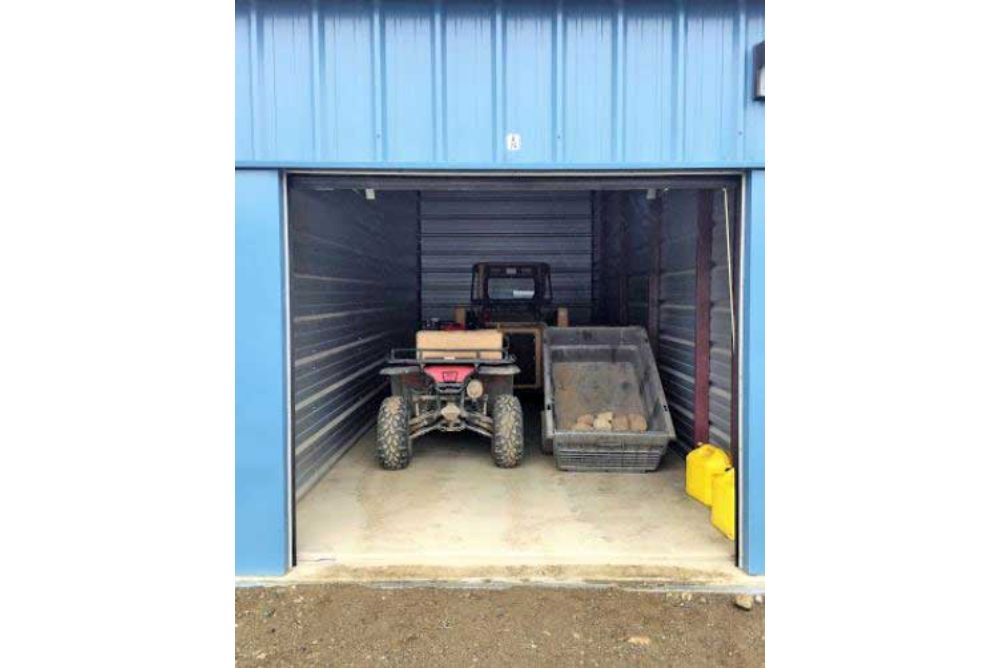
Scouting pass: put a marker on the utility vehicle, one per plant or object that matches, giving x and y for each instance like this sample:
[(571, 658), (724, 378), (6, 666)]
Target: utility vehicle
[(516, 298)]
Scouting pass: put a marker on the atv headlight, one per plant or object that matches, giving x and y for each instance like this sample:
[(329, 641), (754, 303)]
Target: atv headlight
[(474, 389)]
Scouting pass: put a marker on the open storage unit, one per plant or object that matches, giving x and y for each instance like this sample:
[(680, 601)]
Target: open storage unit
[(542, 131), (371, 258)]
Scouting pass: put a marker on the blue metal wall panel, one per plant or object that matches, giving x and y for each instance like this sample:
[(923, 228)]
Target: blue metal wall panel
[(409, 88), (262, 495), (469, 134), (649, 35), (712, 86), (526, 82), (752, 464), (590, 82), (753, 119), (420, 84), (345, 114)]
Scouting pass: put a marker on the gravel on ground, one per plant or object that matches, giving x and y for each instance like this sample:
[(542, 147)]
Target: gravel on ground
[(356, 625)]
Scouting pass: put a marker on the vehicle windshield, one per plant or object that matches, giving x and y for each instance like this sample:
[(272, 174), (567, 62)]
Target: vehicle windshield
[(502, 288)]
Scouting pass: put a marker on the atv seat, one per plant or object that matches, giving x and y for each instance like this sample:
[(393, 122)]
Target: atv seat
[(486, 344)]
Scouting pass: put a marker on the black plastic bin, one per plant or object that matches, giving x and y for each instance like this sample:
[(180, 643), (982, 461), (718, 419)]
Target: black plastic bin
[(595, 369)]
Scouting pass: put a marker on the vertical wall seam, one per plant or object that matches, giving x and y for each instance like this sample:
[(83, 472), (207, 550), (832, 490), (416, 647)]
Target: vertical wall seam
[(742, 77), (499, 114), (494, 119), (618, 113), (680, 83), (378, 80), (438, 84), (270, 50), (559, 84), (317, 78), (254, 83)]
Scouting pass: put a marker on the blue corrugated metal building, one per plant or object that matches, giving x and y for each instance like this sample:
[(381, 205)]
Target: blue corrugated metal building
[(601, 89)]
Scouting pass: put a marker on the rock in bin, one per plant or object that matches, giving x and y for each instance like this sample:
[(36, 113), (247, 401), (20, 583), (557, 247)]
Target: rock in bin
[(636, 422), (601, 424)]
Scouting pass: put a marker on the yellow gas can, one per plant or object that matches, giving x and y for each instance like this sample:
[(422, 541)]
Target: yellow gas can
[(703, 464), (724, 503)]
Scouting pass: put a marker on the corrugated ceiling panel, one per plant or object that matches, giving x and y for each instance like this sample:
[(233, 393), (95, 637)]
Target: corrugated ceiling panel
[(459, 229), (353, 296), (423, 83)]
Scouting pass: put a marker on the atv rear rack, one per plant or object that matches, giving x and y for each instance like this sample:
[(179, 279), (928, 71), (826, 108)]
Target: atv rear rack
[(473, 356)]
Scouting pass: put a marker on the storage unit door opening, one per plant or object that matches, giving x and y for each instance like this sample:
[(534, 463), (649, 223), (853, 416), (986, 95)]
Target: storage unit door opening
[(373, 260)]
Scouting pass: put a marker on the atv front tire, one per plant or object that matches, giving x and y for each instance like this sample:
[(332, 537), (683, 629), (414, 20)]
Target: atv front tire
[(392, 434), (508, 431)]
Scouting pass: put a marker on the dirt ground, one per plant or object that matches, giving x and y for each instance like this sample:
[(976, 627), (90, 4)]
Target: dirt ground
[(352, 625)]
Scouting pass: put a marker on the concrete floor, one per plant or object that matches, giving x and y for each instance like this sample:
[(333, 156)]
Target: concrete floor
[(452, 513)]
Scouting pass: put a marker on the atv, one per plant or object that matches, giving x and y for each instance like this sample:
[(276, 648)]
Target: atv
[(452, 381)]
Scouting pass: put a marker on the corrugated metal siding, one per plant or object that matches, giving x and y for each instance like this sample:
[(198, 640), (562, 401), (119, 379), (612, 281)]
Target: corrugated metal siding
[(353, 297), (458, 229), (675, 356), (639, 215), (720, 376), (442, 83), (609, 208)]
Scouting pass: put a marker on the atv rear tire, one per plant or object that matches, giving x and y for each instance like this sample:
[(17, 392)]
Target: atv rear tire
[(508, 431), (392, 434)]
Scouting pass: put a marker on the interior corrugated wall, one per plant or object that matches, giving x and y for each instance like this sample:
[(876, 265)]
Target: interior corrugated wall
[(639, 215), (675, 355), (458, 229), (354, 272), (612, 304), (720, 404)]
